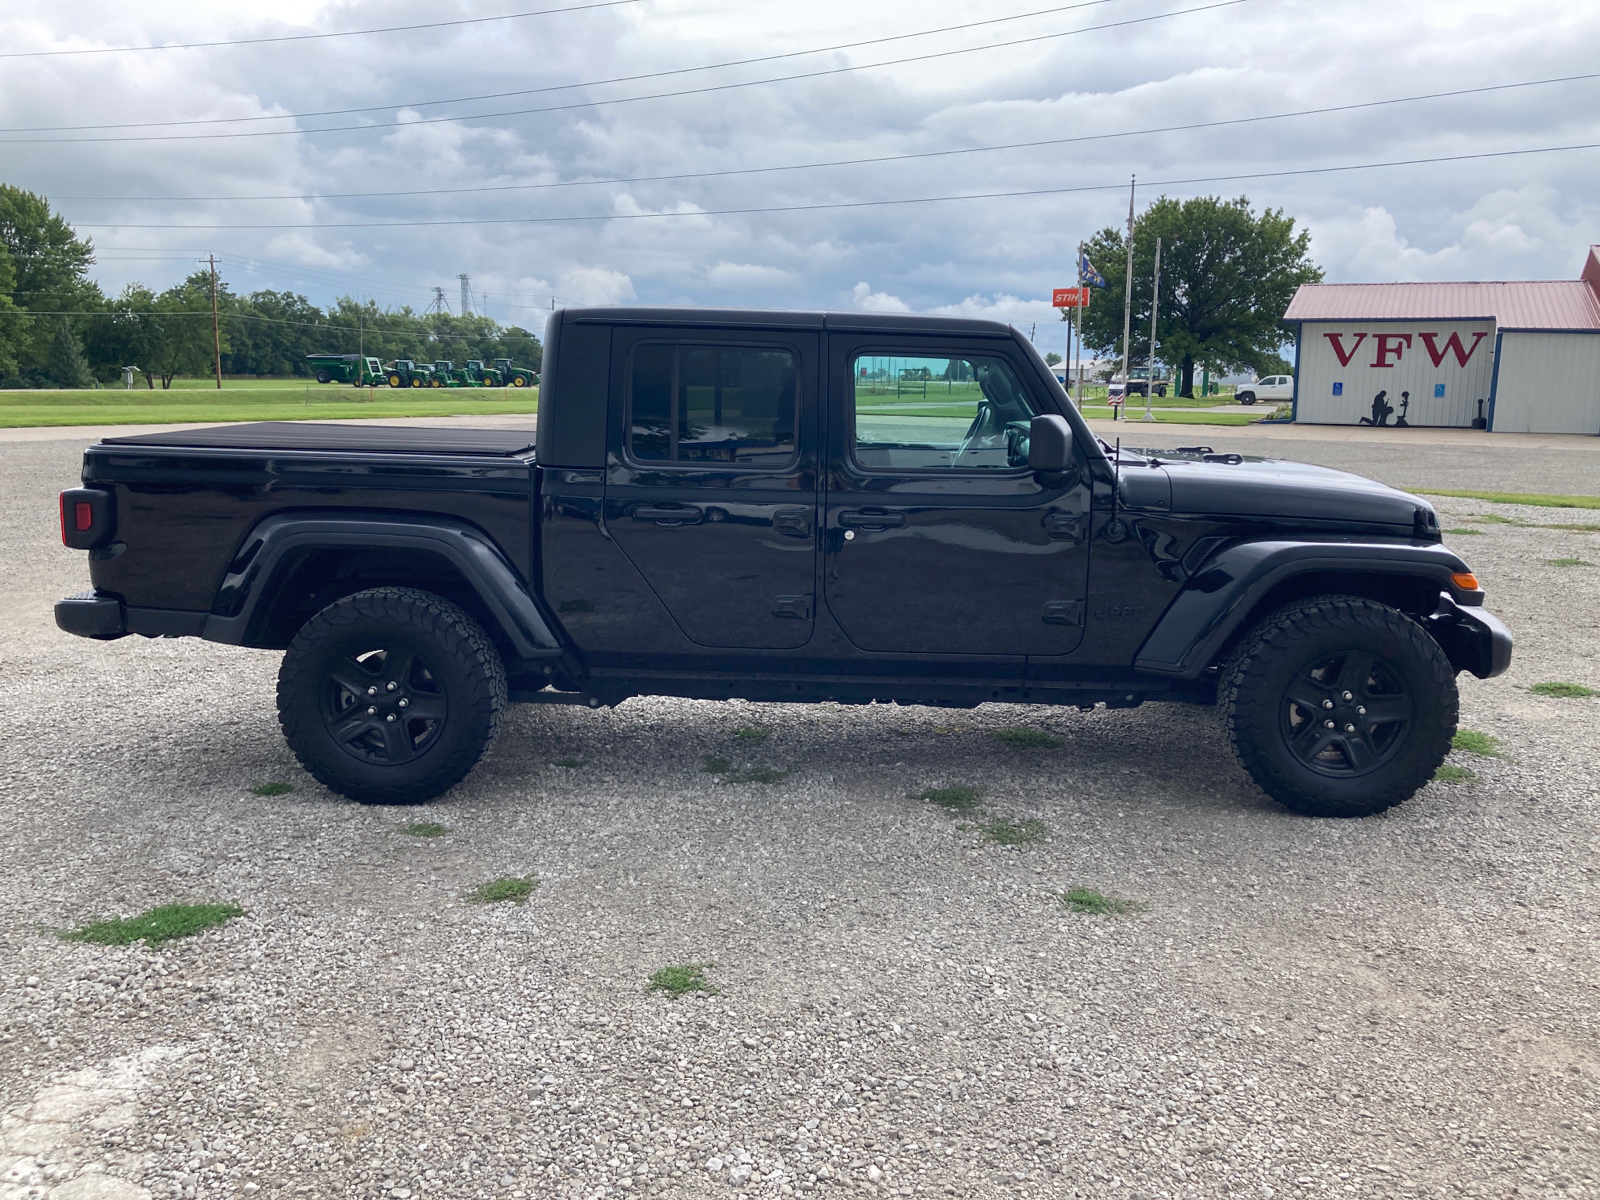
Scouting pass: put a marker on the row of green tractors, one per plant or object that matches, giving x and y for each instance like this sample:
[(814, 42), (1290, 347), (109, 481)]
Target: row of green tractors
[(402, 372)]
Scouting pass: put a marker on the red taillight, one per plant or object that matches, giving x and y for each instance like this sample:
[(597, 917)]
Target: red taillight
[(83, 516), (63, 500)]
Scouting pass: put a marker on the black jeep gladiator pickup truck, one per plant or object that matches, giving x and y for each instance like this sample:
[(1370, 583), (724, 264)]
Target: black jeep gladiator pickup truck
[(787, 507)]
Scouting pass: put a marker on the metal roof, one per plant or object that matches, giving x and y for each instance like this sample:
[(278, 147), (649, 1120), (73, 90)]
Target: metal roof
[(1536, 304)]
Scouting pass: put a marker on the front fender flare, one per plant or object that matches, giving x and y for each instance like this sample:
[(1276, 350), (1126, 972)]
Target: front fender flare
[(1224, 592), (530, 632)]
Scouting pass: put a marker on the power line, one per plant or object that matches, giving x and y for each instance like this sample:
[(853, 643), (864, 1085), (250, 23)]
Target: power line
[(721, 87), (312, 37), (846, 204), (562, 87), (875, 160)]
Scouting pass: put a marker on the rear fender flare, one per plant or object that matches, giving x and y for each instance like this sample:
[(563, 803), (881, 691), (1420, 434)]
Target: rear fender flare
[(1226, 590), (530, 632)]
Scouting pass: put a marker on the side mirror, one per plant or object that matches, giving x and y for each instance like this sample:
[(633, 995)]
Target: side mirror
[(1049, 443)]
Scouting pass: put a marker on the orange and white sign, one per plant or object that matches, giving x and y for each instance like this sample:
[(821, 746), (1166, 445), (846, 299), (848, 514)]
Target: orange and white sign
[(1069, 297)]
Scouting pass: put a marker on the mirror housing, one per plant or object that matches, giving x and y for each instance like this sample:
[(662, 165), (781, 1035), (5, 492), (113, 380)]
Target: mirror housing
[(1049, 443)]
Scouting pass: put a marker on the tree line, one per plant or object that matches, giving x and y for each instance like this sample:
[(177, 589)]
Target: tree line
[(59, 330)]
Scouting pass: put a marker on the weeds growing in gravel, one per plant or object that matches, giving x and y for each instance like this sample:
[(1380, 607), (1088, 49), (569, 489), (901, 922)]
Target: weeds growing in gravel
[(1537, 499), (1022, 737), (958, 798), (571, 764), (504, 888), (1567, 562), (1468, 532), (1097, 903), (1449, 774), (1493, 519), (716, 765), (1474, 742), (425, 829), (156, 925), (676, 981), (1002, 832), (271, 789), (1564, 691), (753, 734)]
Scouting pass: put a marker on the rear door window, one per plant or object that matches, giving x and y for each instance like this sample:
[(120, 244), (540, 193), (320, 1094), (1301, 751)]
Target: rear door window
[(706, 405)]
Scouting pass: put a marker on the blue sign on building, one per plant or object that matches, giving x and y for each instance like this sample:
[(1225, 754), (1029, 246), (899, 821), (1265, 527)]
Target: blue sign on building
[(1338, 389), (1438, 391)]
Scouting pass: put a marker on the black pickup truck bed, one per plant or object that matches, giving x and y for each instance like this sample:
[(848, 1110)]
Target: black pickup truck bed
[(365, 438)]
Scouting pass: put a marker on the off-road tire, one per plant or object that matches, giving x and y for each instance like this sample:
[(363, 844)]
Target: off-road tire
[(456, 672), (1284, 652)]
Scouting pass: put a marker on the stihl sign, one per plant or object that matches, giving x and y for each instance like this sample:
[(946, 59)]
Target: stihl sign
[(1069, 297), (1388, 349)]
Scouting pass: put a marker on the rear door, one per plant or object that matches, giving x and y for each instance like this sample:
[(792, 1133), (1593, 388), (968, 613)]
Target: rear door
[(711, 483), (939, 539)]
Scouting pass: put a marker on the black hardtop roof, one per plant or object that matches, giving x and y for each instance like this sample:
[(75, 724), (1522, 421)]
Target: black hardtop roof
[(364, 438), (787, 319)]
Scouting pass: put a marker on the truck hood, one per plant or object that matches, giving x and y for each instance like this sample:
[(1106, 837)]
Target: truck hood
[(1248, 486)]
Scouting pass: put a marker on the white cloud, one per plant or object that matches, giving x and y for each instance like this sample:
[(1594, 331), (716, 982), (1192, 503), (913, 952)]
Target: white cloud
[(864, 298), (739, 275), (595, 285)]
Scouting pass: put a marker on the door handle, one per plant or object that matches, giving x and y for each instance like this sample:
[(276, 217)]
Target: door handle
[(664, 515), (870, 518)]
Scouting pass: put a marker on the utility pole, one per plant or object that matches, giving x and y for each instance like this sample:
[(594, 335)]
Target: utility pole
[(1127, 305), (466, 294), (1083, 297), (216, 331), (1155, 300)]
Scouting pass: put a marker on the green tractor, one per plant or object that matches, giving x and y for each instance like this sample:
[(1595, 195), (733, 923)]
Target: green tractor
[(515, 376), (402, 372), (347, 368), (481, 375), (447, 374)]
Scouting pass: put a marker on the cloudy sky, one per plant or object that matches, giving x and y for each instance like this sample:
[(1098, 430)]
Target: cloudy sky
[(590, 198)]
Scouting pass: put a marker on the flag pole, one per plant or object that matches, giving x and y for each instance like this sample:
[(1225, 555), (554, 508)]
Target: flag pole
[(1127, 304), (1155, 300), (1077, 317)]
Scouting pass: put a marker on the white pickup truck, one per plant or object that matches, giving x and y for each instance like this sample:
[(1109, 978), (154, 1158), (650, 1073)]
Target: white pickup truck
[(1273, 387)]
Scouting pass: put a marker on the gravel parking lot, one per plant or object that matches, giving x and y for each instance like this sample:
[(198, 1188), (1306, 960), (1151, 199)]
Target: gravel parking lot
[(1400, 1006)]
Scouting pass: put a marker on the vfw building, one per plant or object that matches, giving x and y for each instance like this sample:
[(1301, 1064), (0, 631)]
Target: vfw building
[(1519, 357)]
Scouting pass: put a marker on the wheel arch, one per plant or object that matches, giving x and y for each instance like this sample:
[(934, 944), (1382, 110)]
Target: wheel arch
[(293, 565), (1242, 584)]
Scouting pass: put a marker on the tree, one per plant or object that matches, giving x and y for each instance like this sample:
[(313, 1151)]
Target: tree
[(51, 266), (1052, 359), (13, 321), (1227, 276), (65, 367)]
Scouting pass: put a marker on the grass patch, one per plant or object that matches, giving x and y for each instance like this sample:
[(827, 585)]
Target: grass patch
[(252, 400), (957, 798), (1003, 832), (571, 764), (505, 888), (1190, 417), (676, 981), (425, 829), (1097, 903), (753, 734), (1567, 562), (1493, 519), (1563, 691), (1474, 742), (271, 789), (756, 775), (1022, 737), (1449, 774), (155, 926), (716, 765), (1535, 499), (1465, 532)]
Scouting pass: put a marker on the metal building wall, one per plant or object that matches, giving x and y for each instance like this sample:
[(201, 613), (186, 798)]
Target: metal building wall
[(1548, 383), (1401, 362)]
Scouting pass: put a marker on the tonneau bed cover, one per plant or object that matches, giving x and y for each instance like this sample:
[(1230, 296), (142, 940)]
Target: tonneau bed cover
[(365, 438)]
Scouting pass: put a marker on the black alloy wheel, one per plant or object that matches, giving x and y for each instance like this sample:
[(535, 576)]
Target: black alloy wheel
[(1339, 706), (390, 696)]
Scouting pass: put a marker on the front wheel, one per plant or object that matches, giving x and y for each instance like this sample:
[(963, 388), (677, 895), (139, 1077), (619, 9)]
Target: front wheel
[(391, 696), (1246, 397), (1339, 706)]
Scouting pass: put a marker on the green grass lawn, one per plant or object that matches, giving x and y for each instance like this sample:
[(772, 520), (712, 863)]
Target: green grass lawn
[(252, 400), (1189, 417)]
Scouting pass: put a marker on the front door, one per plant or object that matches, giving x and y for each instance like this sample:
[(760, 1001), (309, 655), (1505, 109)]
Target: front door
[(711, 483), (938, 538)]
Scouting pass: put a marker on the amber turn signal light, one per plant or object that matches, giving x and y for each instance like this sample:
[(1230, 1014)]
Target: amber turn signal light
[(1466, 581)]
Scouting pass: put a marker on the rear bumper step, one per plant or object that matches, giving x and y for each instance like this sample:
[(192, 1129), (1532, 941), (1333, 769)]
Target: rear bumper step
[(92, 615)]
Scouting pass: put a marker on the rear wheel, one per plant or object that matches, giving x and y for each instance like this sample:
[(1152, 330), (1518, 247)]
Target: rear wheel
[(391, 696), (394, 381), (519, 381), (324, 377), (1339, 706)]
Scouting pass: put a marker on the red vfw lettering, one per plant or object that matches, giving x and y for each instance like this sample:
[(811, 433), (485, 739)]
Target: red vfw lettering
[(1386, 350), (1338, 347), (1452, 345)]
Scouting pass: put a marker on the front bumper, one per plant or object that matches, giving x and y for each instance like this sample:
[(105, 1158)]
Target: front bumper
[(1473, 639), (92, 615)]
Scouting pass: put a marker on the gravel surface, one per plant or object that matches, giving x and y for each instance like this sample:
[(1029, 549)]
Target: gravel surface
[(1400, 1006)]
